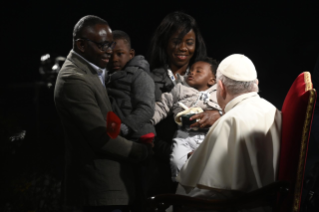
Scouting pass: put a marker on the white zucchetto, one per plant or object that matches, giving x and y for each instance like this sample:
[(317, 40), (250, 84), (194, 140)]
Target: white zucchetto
[(238, 67)]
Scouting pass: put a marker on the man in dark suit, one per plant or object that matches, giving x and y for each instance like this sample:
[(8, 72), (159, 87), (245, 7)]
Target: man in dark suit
[(99, 170)]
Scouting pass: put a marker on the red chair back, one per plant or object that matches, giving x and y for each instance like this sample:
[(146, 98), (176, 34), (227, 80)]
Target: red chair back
[(297, 113)]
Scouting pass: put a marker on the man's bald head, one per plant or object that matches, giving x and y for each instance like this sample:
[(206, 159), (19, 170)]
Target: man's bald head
[(83, 23)]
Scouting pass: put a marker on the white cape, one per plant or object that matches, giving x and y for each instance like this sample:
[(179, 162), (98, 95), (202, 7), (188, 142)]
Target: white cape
[(240, 151)]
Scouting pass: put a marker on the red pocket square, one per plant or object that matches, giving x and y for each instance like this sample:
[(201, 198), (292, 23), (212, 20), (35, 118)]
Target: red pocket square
[(113, 124)]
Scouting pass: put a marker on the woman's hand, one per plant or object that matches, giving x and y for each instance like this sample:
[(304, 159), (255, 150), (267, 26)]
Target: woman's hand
[(206, 118)]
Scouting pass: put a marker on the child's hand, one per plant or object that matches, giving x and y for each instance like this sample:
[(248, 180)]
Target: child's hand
[(124, 130), (206, 118), (147, 139)]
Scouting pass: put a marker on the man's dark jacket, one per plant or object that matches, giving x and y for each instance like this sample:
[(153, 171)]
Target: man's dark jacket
[(99, 170)]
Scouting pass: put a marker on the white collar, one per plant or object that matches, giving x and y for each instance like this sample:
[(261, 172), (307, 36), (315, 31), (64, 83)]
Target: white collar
[(178, 76), (232, 103)]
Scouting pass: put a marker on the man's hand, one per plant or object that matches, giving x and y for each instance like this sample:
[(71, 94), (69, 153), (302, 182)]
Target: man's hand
[(206, 118)]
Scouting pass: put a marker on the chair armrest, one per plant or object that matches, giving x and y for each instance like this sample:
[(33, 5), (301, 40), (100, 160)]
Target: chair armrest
[(262, 196)]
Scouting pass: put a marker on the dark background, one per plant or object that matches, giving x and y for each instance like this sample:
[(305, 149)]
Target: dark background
[(281, 38)]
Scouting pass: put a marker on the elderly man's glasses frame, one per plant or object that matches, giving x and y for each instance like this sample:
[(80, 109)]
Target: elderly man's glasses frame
[(102, 46)]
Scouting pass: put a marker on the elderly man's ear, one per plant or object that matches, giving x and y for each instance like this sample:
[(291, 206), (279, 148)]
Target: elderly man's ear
[(222, 89)]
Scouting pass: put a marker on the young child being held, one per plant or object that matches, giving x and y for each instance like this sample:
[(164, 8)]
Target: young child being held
[(130, 88), (196, 91)]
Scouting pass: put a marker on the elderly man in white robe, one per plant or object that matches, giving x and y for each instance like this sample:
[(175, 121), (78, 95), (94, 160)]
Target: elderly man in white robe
[(241, 150)]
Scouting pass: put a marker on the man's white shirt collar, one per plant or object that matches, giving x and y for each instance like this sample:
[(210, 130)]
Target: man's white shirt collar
[(101, 72)]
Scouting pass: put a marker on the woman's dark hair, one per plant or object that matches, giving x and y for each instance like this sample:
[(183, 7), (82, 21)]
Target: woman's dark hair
[(169, 25)]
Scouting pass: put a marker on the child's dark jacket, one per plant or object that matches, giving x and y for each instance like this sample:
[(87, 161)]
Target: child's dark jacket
[(131, 92)]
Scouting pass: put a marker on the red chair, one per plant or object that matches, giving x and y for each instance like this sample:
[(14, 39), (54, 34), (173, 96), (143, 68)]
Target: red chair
[(297, 113), (284, 194)]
